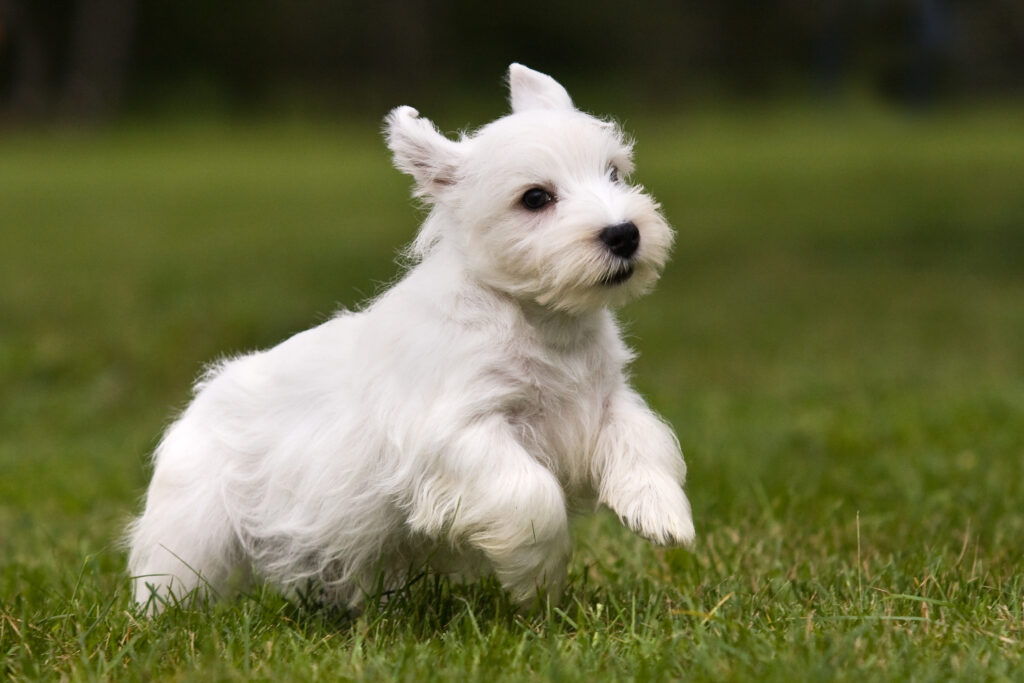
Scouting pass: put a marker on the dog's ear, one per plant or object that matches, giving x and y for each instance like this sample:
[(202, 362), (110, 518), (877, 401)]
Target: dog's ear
[(421, 151), (529, 89)]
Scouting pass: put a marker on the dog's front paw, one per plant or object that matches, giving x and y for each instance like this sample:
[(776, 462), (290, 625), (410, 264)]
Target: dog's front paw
[(656, 509)]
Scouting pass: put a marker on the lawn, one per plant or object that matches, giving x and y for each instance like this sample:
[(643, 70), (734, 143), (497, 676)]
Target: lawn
[(839, 342)]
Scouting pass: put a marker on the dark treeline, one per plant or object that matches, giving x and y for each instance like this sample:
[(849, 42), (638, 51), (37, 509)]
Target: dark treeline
[(88, 58)]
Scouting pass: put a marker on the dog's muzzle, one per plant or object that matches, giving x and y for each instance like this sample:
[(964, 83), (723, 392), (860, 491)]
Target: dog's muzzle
[(622, 240)]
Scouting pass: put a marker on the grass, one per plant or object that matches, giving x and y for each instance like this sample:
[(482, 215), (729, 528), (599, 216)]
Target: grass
[(838, 343)]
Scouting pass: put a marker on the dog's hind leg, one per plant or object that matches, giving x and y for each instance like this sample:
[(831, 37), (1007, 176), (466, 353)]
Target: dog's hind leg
[(181, 550), (183, 546)]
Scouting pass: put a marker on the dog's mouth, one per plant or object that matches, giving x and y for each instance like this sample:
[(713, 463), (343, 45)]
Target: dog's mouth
[(618, 277)]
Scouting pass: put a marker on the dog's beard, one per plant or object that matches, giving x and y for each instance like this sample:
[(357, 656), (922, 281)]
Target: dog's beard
[(618, 276)]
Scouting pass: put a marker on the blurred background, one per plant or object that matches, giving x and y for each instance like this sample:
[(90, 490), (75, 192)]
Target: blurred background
[(85, 59)]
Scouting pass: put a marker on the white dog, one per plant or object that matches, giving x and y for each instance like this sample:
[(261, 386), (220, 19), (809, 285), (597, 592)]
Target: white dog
[(456, 419)]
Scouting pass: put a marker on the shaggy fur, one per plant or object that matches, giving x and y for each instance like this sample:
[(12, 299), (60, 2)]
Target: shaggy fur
[(455, 420)]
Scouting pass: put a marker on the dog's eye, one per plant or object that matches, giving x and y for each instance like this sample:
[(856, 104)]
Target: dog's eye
[(536, 198), (613, 173)]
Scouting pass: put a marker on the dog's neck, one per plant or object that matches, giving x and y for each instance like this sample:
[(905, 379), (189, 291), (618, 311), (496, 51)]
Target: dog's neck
[(559, 329)]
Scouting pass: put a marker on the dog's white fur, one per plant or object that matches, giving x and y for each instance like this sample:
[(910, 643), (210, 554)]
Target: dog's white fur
[(453, 421)]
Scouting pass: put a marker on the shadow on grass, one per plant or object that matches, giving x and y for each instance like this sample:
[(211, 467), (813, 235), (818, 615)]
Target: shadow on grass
[(430, 604)]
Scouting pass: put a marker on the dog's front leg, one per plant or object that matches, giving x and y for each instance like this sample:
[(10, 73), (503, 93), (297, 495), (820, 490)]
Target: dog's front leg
[(640, 471), (487, 490)]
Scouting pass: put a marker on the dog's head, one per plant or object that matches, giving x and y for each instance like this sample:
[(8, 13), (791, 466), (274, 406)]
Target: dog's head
[(536, 203)]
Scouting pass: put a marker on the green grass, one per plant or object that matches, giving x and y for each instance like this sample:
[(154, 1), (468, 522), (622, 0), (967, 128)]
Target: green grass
[(839, 342)]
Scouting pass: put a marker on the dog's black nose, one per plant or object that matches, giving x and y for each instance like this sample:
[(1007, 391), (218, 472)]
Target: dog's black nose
[(622, 239)]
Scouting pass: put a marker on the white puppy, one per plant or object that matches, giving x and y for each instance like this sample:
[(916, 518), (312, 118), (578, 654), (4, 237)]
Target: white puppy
[(455, 420)]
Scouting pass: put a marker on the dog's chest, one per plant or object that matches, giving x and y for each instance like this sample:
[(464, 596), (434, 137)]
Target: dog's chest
[(557, 405)]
